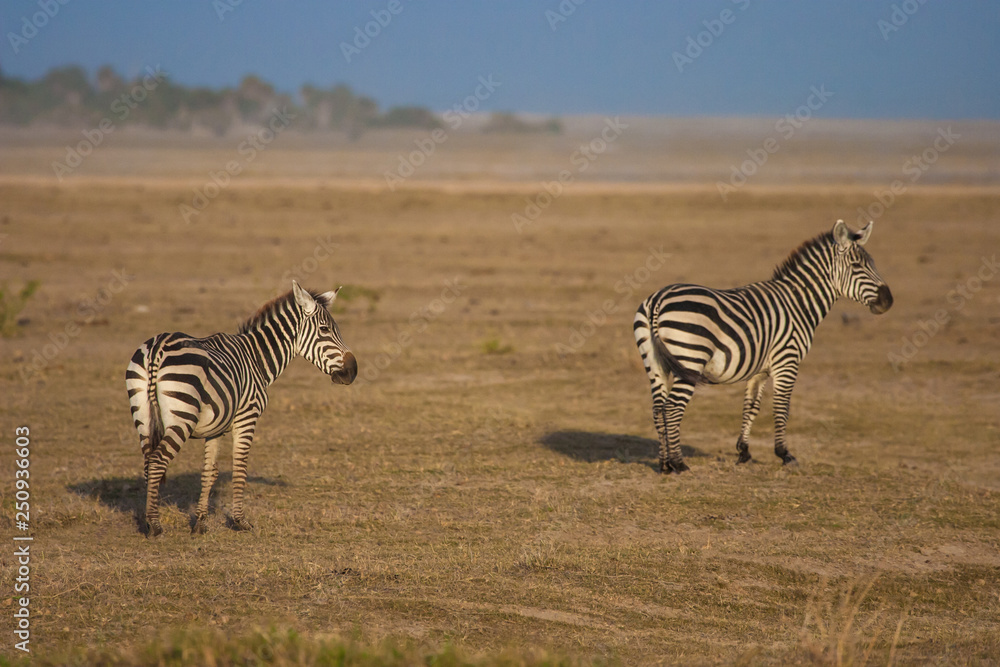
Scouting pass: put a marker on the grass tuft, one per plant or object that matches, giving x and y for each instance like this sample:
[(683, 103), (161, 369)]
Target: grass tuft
[(11, 305), (839, 633), (351, 292), (494, 346)]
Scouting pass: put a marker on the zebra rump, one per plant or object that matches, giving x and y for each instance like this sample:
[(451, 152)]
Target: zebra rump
[(674, 366)]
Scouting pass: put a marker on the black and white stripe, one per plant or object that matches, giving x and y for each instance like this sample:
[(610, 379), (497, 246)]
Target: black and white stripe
[(182, 387), (688, 334)]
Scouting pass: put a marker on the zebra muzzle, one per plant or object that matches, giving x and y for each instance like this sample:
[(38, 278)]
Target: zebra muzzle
[(883, 302), (347, 374)]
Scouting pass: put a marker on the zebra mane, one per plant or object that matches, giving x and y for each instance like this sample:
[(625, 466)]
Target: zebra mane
[(784, 269), (275, 305)]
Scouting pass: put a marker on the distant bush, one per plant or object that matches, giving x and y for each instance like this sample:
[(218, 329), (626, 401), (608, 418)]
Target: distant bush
[(505, 121), (336, 109), (407, 117)]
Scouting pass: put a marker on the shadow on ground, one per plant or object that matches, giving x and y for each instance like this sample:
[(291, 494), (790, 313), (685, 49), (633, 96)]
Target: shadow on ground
[(593, 447), (128, 494)]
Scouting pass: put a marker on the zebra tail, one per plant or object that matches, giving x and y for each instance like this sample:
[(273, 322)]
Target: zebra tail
[(155, 419), (670, 362)]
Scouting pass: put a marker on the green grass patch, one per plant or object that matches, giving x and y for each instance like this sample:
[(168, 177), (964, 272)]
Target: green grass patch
[(349, 293), (495, 346), (12, 302), (285, 648)]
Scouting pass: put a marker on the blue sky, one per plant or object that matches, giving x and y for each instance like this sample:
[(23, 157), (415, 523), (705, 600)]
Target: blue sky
[(878, 58)]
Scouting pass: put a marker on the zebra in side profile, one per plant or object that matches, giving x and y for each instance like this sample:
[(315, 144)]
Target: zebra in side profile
[(688, 334), (182, 387)]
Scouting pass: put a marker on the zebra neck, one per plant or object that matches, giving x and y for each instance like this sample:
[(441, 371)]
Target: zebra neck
[(816, 286), (273, 345)]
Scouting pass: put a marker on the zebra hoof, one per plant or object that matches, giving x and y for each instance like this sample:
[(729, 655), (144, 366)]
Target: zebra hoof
[(668, 467), (790, 461), (241, 524), (154, 529), (199, 527), (744, 458)]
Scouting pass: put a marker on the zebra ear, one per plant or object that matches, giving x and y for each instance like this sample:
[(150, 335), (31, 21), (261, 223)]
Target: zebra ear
[(861, 237), (842, 234), (304, 299), (327, 298)]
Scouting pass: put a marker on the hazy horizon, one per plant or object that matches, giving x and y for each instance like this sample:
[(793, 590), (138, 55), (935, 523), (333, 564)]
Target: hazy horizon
[(726, 58)]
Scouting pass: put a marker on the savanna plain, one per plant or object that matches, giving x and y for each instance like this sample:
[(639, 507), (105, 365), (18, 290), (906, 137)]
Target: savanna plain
[(487, 491)]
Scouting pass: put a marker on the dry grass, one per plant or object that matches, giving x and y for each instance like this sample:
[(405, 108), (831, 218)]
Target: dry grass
[(506, 504)]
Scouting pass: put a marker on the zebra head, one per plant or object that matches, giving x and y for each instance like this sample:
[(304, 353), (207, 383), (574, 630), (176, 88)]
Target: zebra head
[(318, 338), (854, 272)]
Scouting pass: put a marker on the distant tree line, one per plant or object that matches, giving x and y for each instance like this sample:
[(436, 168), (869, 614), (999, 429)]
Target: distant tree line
[(65, 96)]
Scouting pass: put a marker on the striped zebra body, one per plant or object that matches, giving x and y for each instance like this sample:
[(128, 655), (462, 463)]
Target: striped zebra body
[(181, 387), (689, 334)]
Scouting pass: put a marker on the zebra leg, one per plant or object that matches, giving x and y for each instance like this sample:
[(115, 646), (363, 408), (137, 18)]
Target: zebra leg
[(209, 473), (147, 450), (156, 472), (660, 420), (784, 382), (751, 406), (660, 385), (671, 459), (242, 439), (147, 456)]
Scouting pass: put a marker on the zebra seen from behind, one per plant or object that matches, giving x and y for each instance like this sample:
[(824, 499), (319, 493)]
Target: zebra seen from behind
[(182, 387), (688, 334)]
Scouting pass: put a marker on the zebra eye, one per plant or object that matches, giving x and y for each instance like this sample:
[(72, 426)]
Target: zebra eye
[(324, 329)]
